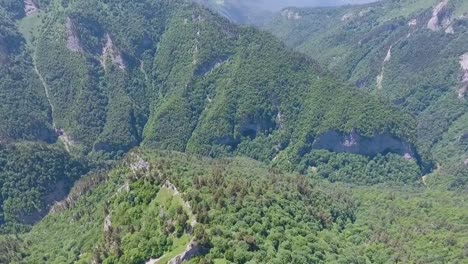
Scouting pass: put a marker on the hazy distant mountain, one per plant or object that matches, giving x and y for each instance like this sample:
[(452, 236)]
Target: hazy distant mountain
[(261, 11)]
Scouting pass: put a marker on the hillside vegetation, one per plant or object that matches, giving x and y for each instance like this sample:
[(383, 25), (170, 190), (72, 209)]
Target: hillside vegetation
[(24, 111), (260, 12), (32, 177), (243, 212)]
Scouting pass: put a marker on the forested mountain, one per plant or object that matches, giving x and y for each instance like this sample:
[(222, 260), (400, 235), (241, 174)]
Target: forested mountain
[(285, 161), (33, 177), (162, 207), (412, 53), (176, 76)]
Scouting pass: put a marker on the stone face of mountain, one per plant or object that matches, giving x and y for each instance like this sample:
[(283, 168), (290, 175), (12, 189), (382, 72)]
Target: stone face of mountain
[(357, 144), (409, 52)]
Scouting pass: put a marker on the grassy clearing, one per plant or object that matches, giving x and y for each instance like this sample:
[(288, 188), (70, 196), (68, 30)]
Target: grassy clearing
[(166, 196), (29, 26), (177, 248)]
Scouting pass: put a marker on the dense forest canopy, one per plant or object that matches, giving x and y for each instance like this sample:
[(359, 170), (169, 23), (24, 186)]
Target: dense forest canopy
[(240, 211)]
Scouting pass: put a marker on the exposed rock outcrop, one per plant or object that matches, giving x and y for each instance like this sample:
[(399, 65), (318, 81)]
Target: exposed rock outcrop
[(66, 139), (30, 8), (463, 76), (192, 250), (81, 187), (171, 187), (347, 17), (380, 77), (138, 164), (210, 66), (57, 192), (387, 59), (73, 42), (290, 14), (450, 30), (107, 224), (413, 23), (356, 144), (440, 17), (110, 51)]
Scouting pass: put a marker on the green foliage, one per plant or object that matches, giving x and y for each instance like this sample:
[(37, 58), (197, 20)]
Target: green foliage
[(32, 177), (11, 249), (406, 225), (358, 169), (174, 76), (243, 210), (249, 213), (13, 7), (192, 81), (23, 106)]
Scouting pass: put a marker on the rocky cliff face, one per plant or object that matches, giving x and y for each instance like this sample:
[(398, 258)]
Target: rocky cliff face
[(357, 144), (192, 250), (73, 42), (440, 17)]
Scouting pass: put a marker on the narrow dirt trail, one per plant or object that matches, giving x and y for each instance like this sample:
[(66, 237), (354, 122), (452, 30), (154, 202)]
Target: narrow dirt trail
[(46, 89), (63, 136)]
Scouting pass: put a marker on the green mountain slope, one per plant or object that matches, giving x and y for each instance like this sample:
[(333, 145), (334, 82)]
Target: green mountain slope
[(144, 217), (176, 76), (98, 78), (409, 52)]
